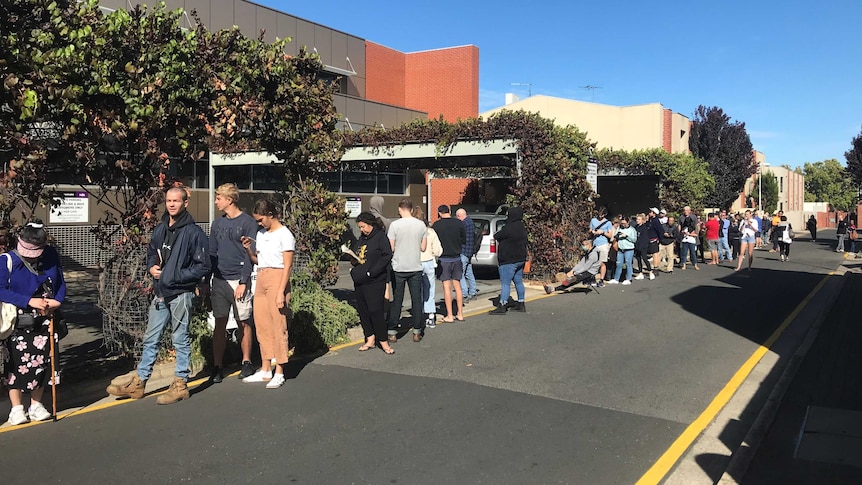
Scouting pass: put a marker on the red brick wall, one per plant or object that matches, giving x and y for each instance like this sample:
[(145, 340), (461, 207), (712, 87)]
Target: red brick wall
[(444, 81), (667, 128), (446, 191), (385, 75)]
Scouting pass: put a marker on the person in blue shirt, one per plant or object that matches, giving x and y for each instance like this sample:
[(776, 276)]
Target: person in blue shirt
[(35, 285), (601, 230)]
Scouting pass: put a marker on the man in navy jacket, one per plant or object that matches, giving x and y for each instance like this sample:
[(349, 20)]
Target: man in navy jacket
[(178, 259)]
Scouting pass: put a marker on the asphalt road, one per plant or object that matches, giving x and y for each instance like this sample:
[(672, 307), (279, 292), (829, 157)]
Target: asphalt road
[(585, 388)]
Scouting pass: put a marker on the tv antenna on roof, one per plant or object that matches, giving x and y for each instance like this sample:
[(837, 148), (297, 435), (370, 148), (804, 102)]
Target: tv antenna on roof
[(529, 87), (592, 90)]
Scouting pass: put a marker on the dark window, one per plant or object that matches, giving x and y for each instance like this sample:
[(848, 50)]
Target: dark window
[(268, 177), (239, 175), (361, 182), (366, 182)]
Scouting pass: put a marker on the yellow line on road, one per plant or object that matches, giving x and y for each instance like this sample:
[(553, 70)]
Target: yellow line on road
[(670, 457)]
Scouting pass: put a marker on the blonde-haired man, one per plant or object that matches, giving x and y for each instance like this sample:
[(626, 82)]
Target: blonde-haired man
[(231, 279)]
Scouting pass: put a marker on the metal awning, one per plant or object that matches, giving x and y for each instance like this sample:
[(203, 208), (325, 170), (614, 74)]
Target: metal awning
[(430, 150)]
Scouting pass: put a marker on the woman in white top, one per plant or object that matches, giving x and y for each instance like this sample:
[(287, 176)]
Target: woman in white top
[(429, 266), (748, 233), (274, 258)]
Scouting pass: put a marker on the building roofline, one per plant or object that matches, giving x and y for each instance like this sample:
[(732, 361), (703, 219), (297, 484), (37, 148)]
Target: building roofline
[(300, 18)]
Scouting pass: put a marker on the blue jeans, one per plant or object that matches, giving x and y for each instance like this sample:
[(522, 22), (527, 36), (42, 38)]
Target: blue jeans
[(513, 272), (688, 248), (429, 286), (413, 281), (177, 310), (624, 256), (468, 281), (724, 251)]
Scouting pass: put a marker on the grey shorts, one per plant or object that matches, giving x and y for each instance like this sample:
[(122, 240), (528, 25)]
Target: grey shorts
[(603, 251), (224, 300), (451, 270), (712, 244)]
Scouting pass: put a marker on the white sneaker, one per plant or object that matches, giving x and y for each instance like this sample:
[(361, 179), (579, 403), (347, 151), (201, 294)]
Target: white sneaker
[(17, 416), (640, 276), (613, 282), (259, 376), (651, 276), (626, 282), (276, 381), (38, 412)]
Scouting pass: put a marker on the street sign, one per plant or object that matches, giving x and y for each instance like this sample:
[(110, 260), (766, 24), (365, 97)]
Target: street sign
[(74, 208), (593, 175)]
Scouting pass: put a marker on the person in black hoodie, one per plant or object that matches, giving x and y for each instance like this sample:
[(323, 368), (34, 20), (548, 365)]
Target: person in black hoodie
[(369, 274), (642, 248), (178, 259), (511, 258)]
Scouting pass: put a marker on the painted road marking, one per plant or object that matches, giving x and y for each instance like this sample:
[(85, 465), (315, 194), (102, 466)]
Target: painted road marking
[(677, 449)]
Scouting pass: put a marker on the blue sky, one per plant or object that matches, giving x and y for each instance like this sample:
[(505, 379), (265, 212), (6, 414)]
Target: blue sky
[(790, 70)]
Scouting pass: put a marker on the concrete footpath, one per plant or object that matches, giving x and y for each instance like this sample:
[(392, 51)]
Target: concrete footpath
[(87, 368)]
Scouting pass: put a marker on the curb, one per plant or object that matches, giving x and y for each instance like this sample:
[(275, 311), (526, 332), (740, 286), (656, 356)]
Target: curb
[(742, 457)]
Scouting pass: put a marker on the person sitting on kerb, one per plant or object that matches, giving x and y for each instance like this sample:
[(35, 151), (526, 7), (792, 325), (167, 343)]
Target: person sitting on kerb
[(586, 269)]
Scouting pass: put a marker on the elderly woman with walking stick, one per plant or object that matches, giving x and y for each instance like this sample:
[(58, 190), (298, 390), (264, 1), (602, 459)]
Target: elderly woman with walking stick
[(31, 279)]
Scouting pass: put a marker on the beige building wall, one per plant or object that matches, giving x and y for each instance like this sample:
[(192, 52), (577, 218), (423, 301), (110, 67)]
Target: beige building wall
[(618, 127)]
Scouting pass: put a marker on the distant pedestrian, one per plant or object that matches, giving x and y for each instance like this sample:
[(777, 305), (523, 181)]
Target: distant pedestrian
[(713, 226), (642, 248), (784, 235), (654, 232), (178, 259), (811, 225), (407, 237), (625, 237), (852, 236), (601, 229), (511, 258), (273, 256), (748, 229), (689, 229), (724, 250), (468, 279), (841, 231), (433, 250), (369, 275), (36, 286), (452, 236), (667, 243), (586, 269), (734, 236), (230, 287)]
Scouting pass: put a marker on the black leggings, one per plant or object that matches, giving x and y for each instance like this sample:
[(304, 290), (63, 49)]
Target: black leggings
[(784, 248), (573, 280), (642, 260), (369, 304)]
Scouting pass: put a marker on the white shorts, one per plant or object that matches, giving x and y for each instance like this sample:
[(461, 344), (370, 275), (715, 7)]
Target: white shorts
[(603, 251)]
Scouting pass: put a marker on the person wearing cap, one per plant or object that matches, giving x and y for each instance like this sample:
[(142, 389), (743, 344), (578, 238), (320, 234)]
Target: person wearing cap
[(35, 285), (662, 216), (654, 232), (452, 235)]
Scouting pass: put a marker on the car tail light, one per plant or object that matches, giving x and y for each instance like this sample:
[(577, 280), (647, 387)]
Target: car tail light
[(493, 246)]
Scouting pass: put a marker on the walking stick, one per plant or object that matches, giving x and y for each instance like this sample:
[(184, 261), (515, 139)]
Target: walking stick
[(53, 356)]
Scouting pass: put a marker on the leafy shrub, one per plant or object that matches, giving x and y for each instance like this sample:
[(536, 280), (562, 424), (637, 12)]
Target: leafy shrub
[(318, 320)]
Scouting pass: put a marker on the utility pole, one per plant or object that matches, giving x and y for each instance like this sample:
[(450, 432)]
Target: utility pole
[(592, 90)]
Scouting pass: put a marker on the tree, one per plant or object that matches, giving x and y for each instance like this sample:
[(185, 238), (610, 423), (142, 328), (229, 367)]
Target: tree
[(769, 190), (828, 181), (726, 148), (854, 159)]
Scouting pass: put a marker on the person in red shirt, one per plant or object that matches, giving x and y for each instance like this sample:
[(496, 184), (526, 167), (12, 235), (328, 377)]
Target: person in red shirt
[(712, 227)]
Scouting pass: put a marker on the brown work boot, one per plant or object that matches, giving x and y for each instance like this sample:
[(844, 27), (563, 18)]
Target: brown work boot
[(132, 388), (177, 392)]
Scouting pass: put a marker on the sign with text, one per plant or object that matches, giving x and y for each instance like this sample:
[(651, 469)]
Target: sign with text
[(74, 207), (593, 176), (353, 206)]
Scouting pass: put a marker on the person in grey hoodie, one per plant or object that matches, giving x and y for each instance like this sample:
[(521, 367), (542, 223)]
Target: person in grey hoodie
[(587, 267), (376, 209)]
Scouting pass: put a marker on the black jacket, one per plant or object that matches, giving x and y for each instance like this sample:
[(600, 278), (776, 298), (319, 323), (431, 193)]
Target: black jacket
[(188, 260), (374, 253), (512, 238), (642, 243)]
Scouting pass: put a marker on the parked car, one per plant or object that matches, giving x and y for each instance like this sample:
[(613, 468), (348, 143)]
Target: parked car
[(487, 225)]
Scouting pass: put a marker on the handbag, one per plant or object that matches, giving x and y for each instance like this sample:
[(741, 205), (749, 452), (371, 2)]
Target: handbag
[(8, 311)]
